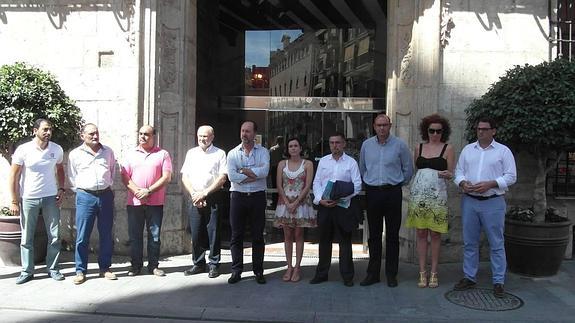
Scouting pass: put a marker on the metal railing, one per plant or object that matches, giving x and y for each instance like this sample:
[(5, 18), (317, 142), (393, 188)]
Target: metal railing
[(562, 20)]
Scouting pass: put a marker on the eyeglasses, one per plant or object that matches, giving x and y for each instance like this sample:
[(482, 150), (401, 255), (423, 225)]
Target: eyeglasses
[(483, 129), (145, 133), (437, 131)]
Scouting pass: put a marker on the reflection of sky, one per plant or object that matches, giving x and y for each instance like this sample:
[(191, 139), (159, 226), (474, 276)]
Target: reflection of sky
[(259, 43)]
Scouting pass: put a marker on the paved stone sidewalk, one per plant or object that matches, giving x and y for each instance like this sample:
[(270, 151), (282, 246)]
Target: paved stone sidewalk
[(176, 297)]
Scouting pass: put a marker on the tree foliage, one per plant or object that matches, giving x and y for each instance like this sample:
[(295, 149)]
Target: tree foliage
[(534, 107), (28, 93)]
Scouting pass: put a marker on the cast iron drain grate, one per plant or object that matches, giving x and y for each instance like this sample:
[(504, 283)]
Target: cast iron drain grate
[(484, 300)]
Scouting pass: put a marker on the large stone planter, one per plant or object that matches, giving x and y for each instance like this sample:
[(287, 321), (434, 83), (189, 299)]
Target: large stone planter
[(10, 239), (535, 249)]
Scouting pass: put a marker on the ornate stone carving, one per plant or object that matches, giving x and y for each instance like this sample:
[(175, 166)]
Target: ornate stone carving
[(128, 10), (169, 59), (446, 25), (169, 130), (406, 52)]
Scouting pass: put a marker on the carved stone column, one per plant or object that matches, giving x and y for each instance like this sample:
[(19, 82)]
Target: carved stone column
[(168, 101), (413, 78)]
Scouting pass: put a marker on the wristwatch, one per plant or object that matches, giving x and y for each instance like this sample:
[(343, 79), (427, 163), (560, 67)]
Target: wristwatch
[(241, 171)]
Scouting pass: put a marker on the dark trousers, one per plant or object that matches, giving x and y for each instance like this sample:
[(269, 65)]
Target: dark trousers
[(150, 217), (329, 225), (247, 208), (205, 230), (384, 203)]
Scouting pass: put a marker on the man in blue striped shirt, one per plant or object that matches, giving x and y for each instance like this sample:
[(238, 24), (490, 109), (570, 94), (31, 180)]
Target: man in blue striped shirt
[(248, 167), (386, 165)]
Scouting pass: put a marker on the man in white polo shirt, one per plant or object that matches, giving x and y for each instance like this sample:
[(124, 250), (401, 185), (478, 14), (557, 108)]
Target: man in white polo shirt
[(203, 174), (37, 177)]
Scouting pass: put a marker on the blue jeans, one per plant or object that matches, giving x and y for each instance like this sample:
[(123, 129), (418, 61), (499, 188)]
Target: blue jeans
[(151, 217), (29, 218), (204, 227), (90, 207), (489, 215)]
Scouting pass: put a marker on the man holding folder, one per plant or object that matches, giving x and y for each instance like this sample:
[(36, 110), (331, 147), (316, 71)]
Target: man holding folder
[(335, 173)]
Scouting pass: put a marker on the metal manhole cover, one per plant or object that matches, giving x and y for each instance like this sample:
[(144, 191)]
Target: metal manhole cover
[(483, 299)]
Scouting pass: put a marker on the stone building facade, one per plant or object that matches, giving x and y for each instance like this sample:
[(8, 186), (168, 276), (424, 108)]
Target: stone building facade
[(128, 63)]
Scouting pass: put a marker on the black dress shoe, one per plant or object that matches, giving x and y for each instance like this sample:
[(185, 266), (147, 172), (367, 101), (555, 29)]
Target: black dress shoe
[(213, 272), (498, 290), (464, 284), (260, 279), (317, 280), (348, 283), (134, 271), (392, 281), (236, 277), (194, 270), (369, 280)]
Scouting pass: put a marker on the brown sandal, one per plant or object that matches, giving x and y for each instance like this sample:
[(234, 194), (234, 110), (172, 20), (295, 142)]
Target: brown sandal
[(287, 276), (296, 276)]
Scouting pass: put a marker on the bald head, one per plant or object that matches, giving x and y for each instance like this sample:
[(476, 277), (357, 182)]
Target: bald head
[(205, 136), (147, 137)]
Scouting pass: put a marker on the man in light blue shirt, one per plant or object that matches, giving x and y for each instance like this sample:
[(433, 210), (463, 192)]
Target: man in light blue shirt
[(386, 165), (248, 167)]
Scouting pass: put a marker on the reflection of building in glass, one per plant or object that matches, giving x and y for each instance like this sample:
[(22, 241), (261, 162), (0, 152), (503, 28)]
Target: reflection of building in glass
[(290, 66), (327, 63), (257, 80)]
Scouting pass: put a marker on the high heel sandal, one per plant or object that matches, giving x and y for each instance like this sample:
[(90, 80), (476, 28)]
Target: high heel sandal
[(288, 274), (422, 279), (433, 281), (296, 276)]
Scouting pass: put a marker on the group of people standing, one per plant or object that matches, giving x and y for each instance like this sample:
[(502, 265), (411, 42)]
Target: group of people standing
[(484, 172), (37, 184)]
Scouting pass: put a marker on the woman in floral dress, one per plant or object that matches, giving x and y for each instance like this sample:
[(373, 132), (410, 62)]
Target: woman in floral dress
[(294, 210), (427, 208)]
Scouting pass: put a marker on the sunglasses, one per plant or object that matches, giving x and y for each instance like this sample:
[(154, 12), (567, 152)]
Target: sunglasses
[(437, 131)]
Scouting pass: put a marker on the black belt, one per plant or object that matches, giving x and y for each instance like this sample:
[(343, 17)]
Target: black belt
[(381, 187), (249, 193), (96, 192), (482, 198)]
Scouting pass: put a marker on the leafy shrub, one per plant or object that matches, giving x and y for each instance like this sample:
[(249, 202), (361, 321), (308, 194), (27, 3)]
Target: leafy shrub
[(28, 93), (534, 107)]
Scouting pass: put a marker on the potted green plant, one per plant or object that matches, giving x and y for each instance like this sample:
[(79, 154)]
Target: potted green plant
[(534, 107), (26, 94)]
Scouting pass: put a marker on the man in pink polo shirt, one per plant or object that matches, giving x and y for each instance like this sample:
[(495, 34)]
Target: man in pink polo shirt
[(146, 172)]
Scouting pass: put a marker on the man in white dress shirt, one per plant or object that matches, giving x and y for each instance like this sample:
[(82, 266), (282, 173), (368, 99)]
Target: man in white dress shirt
[(203, 175), (335, 218), (484, 172), (91, 169)]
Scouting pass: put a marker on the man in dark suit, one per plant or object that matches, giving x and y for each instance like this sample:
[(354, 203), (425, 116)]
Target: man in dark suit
[(335, 217)]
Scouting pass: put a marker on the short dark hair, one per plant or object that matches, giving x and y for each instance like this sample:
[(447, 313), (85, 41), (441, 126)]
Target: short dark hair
[(434, 118), (487, 119), (338, 134), (38, 123), (253, 122), (286, 152), (381, 114)]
